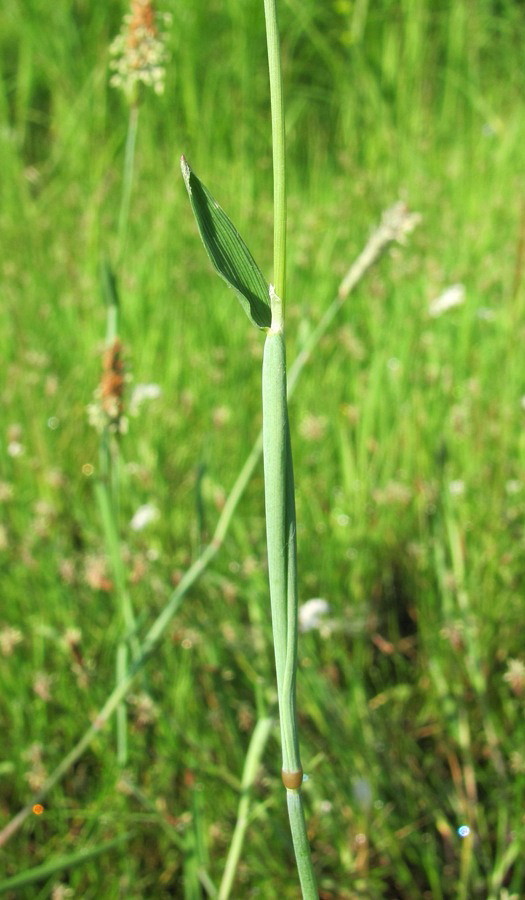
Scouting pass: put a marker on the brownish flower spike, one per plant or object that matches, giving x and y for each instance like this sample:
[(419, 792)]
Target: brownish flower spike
[(142, 20), (107, 408), (138, 52), (112, 382)]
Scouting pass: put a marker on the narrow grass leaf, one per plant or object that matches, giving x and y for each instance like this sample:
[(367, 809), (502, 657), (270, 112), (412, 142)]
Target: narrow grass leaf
[(227, 251), (58, 864)]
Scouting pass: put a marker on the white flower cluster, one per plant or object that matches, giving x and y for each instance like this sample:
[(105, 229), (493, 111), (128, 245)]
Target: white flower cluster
[(311, 614), (453, 296), (107, 416), (144, 516), (141, 394), (139, 52)]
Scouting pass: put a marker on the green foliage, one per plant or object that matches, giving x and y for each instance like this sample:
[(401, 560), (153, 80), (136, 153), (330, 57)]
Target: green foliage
[(227, 251), (409, 447)]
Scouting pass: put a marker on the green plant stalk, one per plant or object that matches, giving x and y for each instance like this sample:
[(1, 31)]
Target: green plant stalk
[(107, 494), (127, 627), (106, 501), (279, 484), (108, 488), (121, 665), (465, 867), (278, 148), (127, 182), (258, 742), (392, 228), (280, 531), (176, 837), (292, 606), (282, 570), (301, 845), (195, 853), (107, 491)]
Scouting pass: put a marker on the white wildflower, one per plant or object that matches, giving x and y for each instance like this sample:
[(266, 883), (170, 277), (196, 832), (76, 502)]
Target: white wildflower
[(311, 613), (15, 449), (61, 892), (144, 516), (453, 296), (140, 394), (9, 638), (515, 676)]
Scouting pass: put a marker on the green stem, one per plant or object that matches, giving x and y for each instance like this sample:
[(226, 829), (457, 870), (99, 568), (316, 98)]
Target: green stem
[(107, 491), (282, 571), (127, 182), (292, 606), (107, 494), (106, 505), (122, 713), (274, 454), (108, 488), (279, 483), (258, 742), (280, 531), (301, 845), (278, 145)]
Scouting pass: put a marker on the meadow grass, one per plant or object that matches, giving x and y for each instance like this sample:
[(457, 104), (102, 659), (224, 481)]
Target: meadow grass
[(408, 440)]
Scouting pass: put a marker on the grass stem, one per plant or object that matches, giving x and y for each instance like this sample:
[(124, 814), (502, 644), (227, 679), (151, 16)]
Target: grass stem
[(258, 742), (281, 526), (278, 146), (127, 181)]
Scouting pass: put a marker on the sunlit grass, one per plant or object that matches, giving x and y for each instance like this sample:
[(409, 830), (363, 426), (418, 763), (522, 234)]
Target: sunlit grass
[(409, 447)]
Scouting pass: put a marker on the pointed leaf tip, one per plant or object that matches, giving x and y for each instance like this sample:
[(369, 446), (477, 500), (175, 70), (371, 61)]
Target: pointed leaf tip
[(186, 171), (227, 251)]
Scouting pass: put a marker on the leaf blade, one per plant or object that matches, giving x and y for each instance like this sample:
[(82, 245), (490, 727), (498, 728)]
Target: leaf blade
[(227, 250)]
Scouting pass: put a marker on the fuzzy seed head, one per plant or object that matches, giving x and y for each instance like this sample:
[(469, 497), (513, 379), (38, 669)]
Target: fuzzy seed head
[(107, 410), (138, 52)]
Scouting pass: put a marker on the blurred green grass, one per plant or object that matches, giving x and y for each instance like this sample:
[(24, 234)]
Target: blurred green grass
[(408, 443)]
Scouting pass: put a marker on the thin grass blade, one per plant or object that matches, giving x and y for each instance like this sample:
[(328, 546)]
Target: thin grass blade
[(58, 864)]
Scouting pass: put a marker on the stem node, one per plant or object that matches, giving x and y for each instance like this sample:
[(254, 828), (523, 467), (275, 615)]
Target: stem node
[(292, 780)]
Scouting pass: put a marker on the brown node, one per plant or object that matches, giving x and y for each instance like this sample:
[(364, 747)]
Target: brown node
[(292, 780)]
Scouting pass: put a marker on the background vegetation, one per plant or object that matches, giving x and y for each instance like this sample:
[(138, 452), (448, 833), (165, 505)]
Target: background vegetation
[(408, 443)]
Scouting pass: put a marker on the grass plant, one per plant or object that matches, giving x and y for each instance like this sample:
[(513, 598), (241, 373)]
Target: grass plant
[(408, 433), (396, 223), (235, 264)]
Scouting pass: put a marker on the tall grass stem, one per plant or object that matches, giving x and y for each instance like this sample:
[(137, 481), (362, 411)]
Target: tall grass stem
[(258, 742), (279, 482), (280, 531), (127, 180), (278, 147)]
